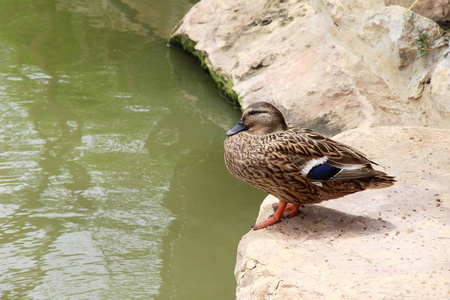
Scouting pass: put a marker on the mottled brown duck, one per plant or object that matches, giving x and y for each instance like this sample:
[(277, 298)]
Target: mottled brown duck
[(297, 165)]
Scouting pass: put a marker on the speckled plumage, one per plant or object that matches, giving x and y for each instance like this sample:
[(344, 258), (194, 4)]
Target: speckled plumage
[(296, 165)]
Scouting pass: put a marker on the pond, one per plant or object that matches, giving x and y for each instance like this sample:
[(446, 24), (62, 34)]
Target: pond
[(112, 181)]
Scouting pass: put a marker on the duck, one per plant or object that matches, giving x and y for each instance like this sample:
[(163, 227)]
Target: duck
[(296, 165)]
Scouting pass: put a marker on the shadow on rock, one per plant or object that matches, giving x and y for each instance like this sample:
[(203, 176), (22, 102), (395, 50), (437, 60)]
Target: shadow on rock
[(318, 222)]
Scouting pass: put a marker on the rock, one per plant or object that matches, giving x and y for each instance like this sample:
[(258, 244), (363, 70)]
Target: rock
[(334, 65), (436, 10), (386, 41), (329, 65), (378, 244), (440, 86), (391, 49)]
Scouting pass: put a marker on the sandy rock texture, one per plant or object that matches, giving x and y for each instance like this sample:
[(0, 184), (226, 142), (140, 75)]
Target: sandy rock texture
[(440, 86), (378, 244), (330, 65)]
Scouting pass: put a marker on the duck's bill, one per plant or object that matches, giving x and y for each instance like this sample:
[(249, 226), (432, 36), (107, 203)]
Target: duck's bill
[(237, 128)]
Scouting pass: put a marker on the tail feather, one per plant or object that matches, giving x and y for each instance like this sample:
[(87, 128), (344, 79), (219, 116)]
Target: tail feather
[(381, 180)]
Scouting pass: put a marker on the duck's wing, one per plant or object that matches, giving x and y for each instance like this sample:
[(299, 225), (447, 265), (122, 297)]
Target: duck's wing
[(320, 158)]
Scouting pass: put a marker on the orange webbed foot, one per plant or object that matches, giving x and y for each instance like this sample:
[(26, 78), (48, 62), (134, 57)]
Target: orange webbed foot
[(291, 209), (273, 218)]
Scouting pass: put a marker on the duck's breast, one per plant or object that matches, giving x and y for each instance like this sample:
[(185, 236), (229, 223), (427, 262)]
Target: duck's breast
[(245, 156)]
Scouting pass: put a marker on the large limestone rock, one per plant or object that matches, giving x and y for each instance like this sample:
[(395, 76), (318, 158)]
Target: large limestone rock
[(378, 244), (330, 65), (334, 65)]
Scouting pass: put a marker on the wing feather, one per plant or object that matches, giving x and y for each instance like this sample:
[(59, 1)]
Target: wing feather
[(304, 147)]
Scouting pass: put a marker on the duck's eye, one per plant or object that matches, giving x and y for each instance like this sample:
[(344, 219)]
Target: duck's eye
[(255, 112)]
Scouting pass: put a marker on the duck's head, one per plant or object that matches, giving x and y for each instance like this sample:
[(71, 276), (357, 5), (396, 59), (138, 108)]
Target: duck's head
[(260, 118)]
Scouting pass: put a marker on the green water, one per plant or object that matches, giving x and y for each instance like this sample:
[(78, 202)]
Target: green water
[(112, 182)]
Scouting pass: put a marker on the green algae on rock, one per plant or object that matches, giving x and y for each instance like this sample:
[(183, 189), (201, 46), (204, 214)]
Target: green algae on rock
[(225, 84)]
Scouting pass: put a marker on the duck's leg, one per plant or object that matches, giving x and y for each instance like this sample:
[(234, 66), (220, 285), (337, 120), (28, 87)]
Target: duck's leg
[(291, 209), (273, 218)]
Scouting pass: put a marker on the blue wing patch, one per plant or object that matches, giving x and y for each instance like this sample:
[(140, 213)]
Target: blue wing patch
[(323, 172)]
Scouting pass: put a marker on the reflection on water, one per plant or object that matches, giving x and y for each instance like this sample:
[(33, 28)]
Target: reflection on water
[(112, 181)]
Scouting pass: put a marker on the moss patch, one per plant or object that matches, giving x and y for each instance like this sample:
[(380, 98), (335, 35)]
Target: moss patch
[(224, 83)]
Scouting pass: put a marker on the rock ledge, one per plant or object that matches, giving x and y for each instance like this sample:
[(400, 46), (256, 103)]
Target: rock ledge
[(378, 244)]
